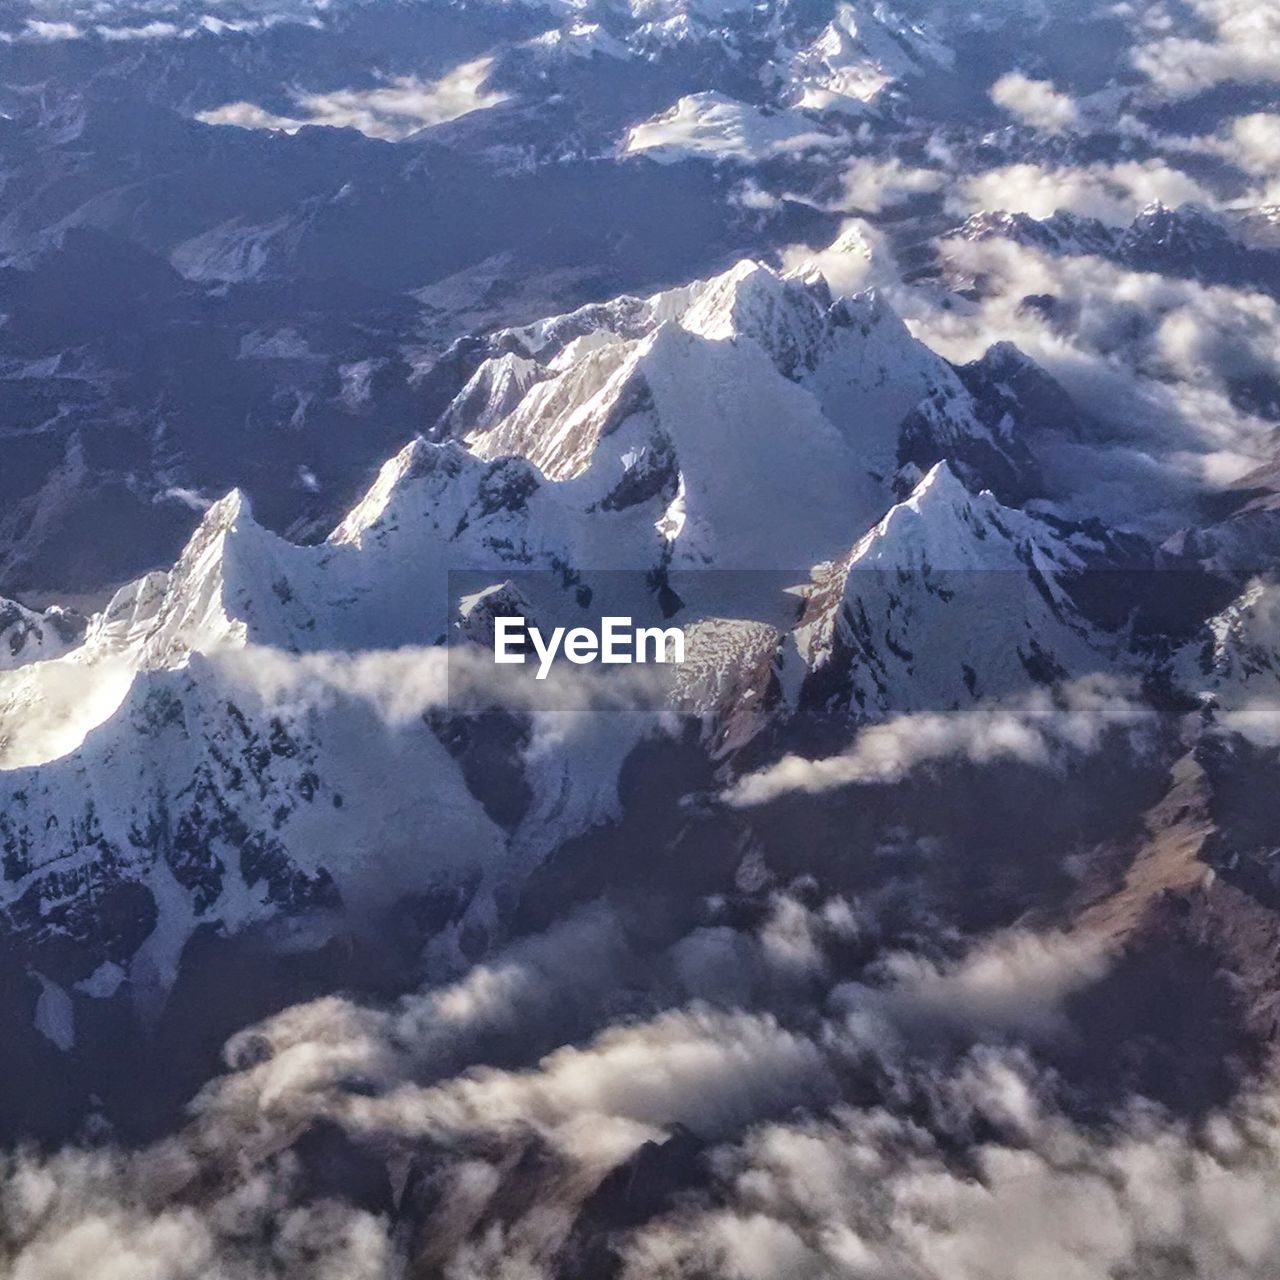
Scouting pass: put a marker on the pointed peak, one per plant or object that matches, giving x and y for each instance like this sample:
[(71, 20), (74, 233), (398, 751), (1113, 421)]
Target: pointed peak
[(743, 269), (870, 307), (1005, 356), (785, 315), (722, 302), (418, 459), (939, 484), (944, 524), (851, 239), (1187, 214), (421, 458), (492, 392), (935, 523), (842, 267), (230, 512)]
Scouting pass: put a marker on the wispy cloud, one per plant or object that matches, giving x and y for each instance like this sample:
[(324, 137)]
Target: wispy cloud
[(391, 111), (1037, 728)]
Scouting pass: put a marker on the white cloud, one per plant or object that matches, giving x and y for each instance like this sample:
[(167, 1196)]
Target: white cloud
[(854, 1191), (48, 708), (1036, 103), (1256, 140), (38, 30), (1242, 45), (697, 1066), (391, 111), (146, 31), (871, 185), (402, 684), (869, 1193), (859, 257), (1153, 357), (1114, 193), (1012, 986), (1036, 728), (1257, 720)]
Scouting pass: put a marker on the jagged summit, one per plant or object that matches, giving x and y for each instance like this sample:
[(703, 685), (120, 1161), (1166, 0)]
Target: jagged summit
[(943, 525), (861, 52), (1061, 232), (949, 598), (752, 300), (749, 387), (240, 749), (30, 636), (1188, 241), (1235, 659)]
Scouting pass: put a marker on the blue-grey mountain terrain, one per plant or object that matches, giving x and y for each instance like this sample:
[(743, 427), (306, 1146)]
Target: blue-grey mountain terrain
[(918, 360)]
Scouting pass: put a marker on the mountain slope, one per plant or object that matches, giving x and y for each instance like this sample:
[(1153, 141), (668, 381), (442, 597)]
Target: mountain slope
[(949, 599), (750, 385), (275, 736)]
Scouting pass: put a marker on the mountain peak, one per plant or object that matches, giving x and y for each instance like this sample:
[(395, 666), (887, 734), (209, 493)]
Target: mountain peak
[(940, 484), (1061, 232), (753, 301), (1188, 228), (950, 597), (942, 524), (418, 459), (227, 512)]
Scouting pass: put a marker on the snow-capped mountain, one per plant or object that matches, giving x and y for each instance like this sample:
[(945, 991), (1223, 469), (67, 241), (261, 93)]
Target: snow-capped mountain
[(1188, 241), (263, 732), (27, 636), (1236, 657), (949, 599), (243, 738), (1061, 232), (749, 383), (863, 50), (713, 126), (337, 334)]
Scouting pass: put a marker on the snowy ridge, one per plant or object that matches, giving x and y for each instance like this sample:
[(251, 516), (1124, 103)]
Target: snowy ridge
[(751, 382), (950, 598), (1061, 232), (260, 731), (1237, 657), (861, 52), (1186, 239), (713, 126), (28, 636)]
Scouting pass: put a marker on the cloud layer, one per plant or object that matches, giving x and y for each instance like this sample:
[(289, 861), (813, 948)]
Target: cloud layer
[(1038, 728), (391, 111)]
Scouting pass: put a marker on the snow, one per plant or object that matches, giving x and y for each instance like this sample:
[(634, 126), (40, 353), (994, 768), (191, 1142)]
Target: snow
[(716, 127), (863, 50), (750, 382), (949, 598), (1237, 657), (103, 982), (28, 636), (246, 736), (582, 40)]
